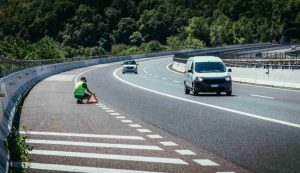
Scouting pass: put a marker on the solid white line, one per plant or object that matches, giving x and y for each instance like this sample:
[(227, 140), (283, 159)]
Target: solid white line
[(168, 143), (209, 105), (70, 168), (109, 156), (82, 135), (185, 152), (205, 162), (274, 88), (155, 136), (266, 97), (92, 144), (126, 121), (167, 67), (144, 130), (134, 125)]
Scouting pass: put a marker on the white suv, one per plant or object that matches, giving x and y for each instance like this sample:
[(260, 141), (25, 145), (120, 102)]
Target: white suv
[(129, 66)]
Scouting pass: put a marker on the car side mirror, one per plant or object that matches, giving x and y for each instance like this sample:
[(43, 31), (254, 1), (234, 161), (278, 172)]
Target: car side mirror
[(190, 71), (137, 64), (229, 70)]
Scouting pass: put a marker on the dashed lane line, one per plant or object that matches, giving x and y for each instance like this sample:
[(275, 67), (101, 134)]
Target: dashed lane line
[(93, 144), (120, 117), (126, 121), (109, 111), (185, 152), (168, 143), (144, 130), (70, 168), (266, 97), (109, 156), (114, 114), (82, 135), (134, 125), (155, 136), (205, 162)]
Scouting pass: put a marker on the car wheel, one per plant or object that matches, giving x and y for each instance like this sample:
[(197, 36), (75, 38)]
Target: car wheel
[(136, 72), (218, 93), (186, 90), (195, 92), (228, 93)]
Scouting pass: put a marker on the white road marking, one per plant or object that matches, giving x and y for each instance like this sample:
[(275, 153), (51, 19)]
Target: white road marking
[(92, 144), (167, 67), (109, 156), (155, 136), (144, 130), (150, 74), (109, 111), (120, 117), (164, 78), (225, 172), (134, 125), (155, 76), (105, 108), (114, 114), (144, 70), (266, 97), (168, 143), (260, 117), (185, 152), (82, 135), (126, 121), (274, 88), (205, 162), (70, 168), (176, 81), (102, 106)]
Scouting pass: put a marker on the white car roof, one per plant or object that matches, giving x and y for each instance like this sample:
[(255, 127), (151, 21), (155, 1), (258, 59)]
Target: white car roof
[(205, 59)]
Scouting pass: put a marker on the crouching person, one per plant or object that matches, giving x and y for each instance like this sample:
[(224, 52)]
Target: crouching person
[(82, 91)]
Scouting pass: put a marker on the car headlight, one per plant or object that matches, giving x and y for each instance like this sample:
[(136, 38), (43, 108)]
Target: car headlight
[(228, 78), (198, 79)]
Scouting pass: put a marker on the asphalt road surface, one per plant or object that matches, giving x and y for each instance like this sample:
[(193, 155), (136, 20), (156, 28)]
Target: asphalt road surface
[(145, 123), (70, 137), (257, 128)]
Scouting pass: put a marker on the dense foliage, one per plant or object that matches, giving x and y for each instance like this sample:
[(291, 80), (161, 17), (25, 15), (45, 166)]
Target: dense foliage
[(29, 29)]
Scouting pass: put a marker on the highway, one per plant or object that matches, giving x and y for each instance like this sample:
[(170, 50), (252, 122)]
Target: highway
[(257, 127), (145, 123)]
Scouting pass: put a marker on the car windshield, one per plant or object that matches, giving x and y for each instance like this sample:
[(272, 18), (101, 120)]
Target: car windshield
[(210, 67), (129, 63)]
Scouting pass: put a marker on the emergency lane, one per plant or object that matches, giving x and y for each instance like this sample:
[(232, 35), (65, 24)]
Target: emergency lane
[(253, 143)]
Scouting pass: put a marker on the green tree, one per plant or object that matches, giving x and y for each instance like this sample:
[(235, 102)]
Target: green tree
[(198, 28), (126, 27), (136, 38)]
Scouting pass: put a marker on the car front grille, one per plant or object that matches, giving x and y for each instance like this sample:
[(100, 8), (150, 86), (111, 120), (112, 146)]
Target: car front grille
[(130, 68), (214, 81)]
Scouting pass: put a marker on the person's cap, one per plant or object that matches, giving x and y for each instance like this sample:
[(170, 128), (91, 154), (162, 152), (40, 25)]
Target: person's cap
[(83, 78)]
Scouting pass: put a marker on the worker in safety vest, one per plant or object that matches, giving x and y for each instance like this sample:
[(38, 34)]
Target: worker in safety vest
[(82, 91)]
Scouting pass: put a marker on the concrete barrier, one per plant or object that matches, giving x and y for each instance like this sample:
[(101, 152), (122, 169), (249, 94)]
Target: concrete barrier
[(13, 87), (273, 77)]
